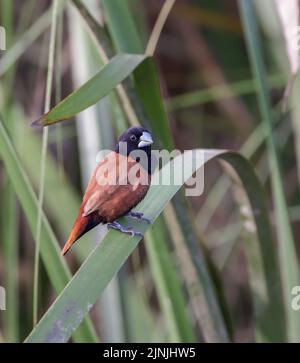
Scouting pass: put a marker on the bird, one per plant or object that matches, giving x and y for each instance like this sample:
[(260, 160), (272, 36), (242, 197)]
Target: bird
[(110, 194)]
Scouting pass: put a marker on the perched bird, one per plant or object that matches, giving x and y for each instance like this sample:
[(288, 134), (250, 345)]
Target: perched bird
[(120, 181)]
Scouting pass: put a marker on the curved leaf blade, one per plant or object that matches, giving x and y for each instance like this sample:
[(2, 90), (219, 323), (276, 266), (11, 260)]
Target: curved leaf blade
[(112, 74)]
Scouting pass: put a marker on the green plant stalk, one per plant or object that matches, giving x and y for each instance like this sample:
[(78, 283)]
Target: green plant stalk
[(9, 216), (10, 241), (199, 308), (158, 27), (255, 266), (50, 70), (143, 322), (58, 92), (153, 112), (167, 284), (277, 51), (117, 21), (288, 259), (270, 319), (214, 321), (96, 31), (56, 267)]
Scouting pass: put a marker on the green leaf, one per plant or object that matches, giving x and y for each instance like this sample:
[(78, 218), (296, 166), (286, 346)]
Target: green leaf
[(239, 88), (287, 251), (142, 320), (167, 283), (56, 267), (9, 223), (118, 19), (148, 88), (9, 236), (106, 259), (269, 314), (113, 73)]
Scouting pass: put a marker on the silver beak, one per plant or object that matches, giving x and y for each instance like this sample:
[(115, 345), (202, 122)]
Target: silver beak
[(145, 139)]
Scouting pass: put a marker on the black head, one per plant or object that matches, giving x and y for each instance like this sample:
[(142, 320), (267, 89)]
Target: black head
[(134, 139)]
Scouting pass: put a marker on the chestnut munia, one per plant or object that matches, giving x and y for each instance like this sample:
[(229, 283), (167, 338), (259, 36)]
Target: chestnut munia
[(119, 182)]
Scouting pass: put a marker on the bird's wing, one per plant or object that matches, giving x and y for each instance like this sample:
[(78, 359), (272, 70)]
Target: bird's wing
[(93, 203)]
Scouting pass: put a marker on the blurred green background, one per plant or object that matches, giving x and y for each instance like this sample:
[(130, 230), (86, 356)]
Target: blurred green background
[(202, 274)]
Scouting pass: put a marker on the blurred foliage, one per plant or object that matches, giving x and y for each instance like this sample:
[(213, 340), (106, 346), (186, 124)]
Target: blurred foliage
[(205, 272)]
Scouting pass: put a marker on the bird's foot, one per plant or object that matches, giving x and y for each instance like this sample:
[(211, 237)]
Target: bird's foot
[(128, 230), (138, 215)]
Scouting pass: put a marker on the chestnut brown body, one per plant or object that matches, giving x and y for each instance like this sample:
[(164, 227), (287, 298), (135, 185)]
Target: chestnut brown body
[(117, 185)]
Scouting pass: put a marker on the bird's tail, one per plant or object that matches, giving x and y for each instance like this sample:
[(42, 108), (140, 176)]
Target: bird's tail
[(81, 226)]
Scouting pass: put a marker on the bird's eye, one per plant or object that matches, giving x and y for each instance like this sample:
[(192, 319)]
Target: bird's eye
[(133, 138)]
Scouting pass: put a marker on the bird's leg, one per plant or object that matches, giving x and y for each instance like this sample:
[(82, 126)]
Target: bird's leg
[(138, 215), (128, 230)]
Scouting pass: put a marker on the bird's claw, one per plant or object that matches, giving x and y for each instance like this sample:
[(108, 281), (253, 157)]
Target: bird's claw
[(128, 230), (138, 234), (139, 215)]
